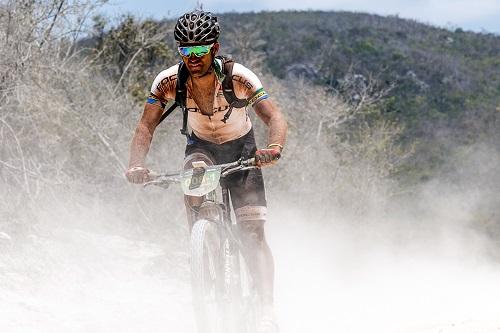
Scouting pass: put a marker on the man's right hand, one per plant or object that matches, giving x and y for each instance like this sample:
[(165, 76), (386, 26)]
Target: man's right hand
[(137, 175)]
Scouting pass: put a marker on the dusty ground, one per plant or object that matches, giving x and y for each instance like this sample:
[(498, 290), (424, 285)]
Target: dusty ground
[(328, 280)]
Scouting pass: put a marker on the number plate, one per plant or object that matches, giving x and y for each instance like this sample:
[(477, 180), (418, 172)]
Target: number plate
[(200, 183)]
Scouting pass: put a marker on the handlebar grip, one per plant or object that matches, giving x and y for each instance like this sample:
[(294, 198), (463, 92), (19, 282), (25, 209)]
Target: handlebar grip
[(259, 158)]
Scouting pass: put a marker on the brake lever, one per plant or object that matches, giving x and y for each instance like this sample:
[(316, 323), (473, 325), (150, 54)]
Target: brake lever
[(156, 180), (231, 170), (250, 162), (250, 167)]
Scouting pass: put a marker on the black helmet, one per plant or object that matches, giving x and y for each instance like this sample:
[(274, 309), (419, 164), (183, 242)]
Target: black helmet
[(197, 27)]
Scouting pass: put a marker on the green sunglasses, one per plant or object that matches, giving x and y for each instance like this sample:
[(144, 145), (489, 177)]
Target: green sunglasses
[(197, 50)]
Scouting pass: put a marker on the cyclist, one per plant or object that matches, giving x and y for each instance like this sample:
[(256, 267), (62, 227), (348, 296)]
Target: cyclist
[(219, 134)]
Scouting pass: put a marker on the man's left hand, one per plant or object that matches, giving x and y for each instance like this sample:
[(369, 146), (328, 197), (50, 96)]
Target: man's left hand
[(267, 157)]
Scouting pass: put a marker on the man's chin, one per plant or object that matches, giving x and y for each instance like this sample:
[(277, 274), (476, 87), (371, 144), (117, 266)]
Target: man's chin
[(198, 72)]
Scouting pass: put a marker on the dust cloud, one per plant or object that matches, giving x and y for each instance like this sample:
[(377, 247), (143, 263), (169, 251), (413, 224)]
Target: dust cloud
[(358, 279), (402, 272), (427, 263), (83, 251)]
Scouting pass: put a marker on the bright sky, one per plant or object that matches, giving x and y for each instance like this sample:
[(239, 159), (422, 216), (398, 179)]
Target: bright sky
[(476, 15)]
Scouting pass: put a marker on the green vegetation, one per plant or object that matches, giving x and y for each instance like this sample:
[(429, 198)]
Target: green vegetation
[(440, 80), (444, 80)]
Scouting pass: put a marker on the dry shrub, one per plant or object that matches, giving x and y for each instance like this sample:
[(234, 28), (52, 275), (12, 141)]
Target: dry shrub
[(340, 155), (64, 128), (65, 132)]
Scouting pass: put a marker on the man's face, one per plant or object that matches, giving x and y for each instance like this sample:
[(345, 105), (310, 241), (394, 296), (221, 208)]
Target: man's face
[(199, 66)]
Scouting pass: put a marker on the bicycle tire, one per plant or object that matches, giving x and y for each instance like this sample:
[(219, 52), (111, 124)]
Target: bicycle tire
[(218, 277), (205, 276), (246, 297), (240, 301)]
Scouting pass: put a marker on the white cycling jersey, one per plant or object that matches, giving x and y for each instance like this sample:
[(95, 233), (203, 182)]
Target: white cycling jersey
[(211, 128)]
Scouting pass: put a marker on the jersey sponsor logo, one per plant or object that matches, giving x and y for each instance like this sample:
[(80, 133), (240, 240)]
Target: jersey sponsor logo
[(221, 108), (217, 109), (167, 82), (259, 95), (251, 213), (243, 81)]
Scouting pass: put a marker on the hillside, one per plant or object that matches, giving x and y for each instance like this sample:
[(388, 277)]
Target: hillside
[(388, 104), (446, 83), (443, 86)]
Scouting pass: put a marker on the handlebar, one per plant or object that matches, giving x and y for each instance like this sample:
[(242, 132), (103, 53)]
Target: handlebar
[(165, 179)]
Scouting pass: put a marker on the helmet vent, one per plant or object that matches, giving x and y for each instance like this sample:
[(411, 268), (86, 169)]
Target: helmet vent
[(197, 27)]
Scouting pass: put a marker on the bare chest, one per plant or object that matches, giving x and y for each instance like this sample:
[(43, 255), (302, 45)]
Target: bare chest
[(203, 96)]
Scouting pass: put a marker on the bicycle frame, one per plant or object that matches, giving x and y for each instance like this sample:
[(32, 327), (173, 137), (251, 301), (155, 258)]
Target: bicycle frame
[(163, 180), (231, 298)]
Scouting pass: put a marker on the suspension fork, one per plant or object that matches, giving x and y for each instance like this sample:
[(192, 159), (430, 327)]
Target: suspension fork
[(230, 247), (227, 203)]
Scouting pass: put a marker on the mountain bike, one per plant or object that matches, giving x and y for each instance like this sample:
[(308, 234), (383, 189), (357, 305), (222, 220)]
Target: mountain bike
[(224, 295)]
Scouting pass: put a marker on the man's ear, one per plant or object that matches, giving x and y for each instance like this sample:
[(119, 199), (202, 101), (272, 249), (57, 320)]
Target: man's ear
[(215, 48)]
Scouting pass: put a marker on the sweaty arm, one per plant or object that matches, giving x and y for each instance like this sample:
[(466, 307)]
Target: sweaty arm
[(153, 109), (248, 85), (274, 119), (162, 90), (144, 134)]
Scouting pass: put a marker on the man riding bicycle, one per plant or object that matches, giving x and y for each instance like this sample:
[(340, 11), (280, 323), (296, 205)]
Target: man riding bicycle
[(221, 132)]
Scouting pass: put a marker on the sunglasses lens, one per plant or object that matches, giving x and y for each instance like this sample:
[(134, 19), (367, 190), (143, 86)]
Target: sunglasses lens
[(198, 50), (184, 51), (201, 51)]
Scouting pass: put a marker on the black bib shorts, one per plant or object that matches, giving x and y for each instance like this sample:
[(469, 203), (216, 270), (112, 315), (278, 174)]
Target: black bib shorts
[(246, 188)]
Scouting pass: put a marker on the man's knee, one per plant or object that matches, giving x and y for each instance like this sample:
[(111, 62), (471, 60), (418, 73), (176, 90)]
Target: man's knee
[(251, 220), (193, 202)]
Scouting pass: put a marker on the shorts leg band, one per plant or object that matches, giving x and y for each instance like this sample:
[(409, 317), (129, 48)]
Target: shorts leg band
[(251, 213)]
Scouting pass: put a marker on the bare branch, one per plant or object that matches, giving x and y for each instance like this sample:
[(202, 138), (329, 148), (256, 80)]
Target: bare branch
[(131, 61), (21, 153), (49, 30)]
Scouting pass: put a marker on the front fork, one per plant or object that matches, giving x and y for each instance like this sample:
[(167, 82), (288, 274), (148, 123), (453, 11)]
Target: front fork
[(230, 244)]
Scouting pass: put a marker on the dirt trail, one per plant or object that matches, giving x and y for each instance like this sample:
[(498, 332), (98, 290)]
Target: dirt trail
[(79, 281), (328, 280)]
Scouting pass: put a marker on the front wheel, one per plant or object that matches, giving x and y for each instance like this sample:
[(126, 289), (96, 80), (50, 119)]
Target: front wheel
[(223, 297), (206, 276)]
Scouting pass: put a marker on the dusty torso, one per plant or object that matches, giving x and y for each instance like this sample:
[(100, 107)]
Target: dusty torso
[(206, 104), (203, 93)]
